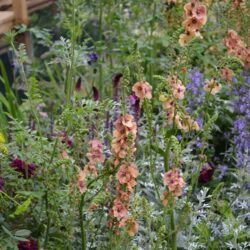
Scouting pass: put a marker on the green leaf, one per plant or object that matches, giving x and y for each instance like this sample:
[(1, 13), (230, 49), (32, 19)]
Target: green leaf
[(35, 194), (23, 233), (158, 150), (22, 208), (7, 231), (17, 238)]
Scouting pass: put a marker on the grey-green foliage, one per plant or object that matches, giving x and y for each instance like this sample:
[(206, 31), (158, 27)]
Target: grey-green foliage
[(176, 147), (207, 129)]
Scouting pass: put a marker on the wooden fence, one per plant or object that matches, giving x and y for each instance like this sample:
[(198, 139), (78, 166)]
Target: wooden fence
[(13, 12)]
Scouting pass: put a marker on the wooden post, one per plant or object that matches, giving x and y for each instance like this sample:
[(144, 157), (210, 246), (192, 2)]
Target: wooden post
[(20, 9)]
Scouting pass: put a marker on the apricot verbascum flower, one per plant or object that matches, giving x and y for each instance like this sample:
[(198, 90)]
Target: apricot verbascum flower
[(226, 74), (239, 4), (236, 47), (186, 123), (195, 19), (143, 90), (127, 175), (176, 92), (130, 225), (123, 148), (174, 181), (82, 183), (167, 103), (212, 87), (123, 143), (95, 156)]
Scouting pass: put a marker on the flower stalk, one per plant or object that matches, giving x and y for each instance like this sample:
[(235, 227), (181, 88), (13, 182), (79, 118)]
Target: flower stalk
[(81, 217)]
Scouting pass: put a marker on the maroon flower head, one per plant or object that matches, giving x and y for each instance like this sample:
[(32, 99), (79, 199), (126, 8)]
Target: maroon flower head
[(116, 86), (78, 86), (206, 173), (117, 79), (96, 94), (67, 140), (134, 102), (28, 245), (1, 184), (21, 167)]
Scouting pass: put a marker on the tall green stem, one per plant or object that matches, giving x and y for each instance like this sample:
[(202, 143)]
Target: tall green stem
[(48, 220), (173, 231), (166, 156), (69, 78), (47, 197), (151, 136), (172, 221), (100, 81), (151, 44), (83, 233)]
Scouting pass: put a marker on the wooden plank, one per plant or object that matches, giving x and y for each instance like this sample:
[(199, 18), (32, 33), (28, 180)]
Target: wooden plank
[(18, 15), (6, 21), (6, 27), (34, 5), (6, 16), (31, 3), (20, 10), (5, 3)]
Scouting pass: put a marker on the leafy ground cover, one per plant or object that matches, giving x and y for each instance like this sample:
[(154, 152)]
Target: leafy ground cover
[(129, 128)]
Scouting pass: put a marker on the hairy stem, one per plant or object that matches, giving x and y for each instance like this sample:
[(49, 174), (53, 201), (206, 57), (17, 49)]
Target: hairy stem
[(151, 137), (47, 198), (83, 233), (69, 78), (173, 231)]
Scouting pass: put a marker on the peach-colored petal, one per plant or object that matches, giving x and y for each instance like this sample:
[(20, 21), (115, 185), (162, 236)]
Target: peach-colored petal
[(212, 87), (131, 226), (185, 38), (142, 90), (179, 91), (119, 210), (175, 183), (82, 181), (226, 74)]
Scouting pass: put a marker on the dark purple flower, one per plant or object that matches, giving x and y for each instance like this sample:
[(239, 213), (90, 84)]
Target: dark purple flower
[(67, 140), (206, 173), (116, 86), (198, 143), (239, 124), (92, 58), (179, 137), (223, 169), (28, 245), (134, 103), (240, 134), (195, 93), (116, 94), (1, 184), (78, 86), (23, 168), (96, 94), (200, 122)]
